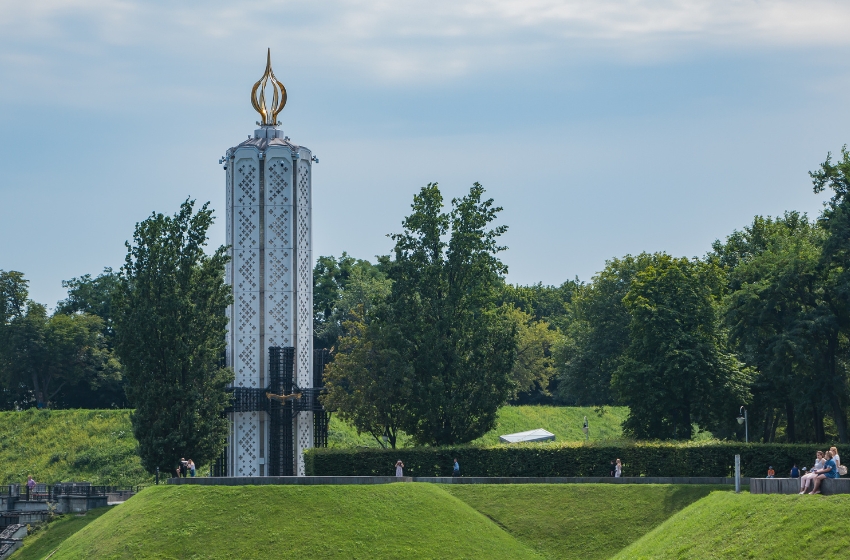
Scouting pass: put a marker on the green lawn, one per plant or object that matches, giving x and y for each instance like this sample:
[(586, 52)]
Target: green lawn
[(46, 539), (69, 445), (244, 522), (578, 520), (728, 525), (563, 421)]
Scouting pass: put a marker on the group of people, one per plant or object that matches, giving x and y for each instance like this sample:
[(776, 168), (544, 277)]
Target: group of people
[(186, 468), (827, 465), (616, 468)]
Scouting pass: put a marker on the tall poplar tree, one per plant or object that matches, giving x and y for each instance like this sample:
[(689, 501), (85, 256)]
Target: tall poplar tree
[(170, 326)]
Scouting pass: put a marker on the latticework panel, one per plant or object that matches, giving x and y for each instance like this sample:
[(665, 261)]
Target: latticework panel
[(247, 439), (304, 438), (246, 351), (304, 264), (278, 310)]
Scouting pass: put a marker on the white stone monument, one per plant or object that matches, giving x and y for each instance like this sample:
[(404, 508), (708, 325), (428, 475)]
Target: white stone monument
[(269, 232)]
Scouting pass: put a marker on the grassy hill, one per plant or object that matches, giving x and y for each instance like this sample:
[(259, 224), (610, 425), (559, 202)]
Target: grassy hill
[(728, 525), (381, 521), (384, 521), (583, 521), (564, 422), (69, 445)]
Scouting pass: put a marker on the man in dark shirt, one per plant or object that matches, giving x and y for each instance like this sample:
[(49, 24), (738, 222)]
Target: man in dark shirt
[(613, 469), (795, 472)]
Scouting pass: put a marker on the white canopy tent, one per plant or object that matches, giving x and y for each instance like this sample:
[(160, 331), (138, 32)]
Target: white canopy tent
[(531, 435)]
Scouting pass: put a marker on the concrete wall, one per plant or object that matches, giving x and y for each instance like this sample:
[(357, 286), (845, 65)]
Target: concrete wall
[(310, 480), (792, 486)]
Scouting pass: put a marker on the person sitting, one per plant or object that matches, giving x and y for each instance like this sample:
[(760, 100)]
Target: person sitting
[(829, 470), (795, 472), (770, 472), (809, 477), (837, 460)]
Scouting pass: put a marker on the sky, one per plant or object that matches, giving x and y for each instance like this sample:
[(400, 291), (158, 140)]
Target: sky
[(602, 127)]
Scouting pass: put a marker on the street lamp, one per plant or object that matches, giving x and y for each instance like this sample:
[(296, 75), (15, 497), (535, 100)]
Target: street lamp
[(742, 419)]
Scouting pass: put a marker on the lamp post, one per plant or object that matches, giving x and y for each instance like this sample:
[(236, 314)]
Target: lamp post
[(742, 419)]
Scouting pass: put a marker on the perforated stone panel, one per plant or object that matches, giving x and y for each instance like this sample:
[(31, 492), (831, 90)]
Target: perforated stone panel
[(247, 440), (304, 258), (303, 439)]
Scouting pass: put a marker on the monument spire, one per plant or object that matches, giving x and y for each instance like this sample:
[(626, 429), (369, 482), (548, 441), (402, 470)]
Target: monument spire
[(268, 115)]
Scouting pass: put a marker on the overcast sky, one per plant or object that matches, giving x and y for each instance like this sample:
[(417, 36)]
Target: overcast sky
[(603, 127)]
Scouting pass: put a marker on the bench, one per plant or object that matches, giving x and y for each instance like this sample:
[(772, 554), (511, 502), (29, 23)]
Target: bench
[(828, 486)]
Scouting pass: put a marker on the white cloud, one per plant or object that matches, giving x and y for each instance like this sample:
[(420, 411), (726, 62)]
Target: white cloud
[(415, 42)]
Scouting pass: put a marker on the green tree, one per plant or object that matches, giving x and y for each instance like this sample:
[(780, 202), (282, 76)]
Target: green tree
[(44, 354), (533, 367), (597, 333), (676, 371), (170, 327), (775, 309), (93, 296), (446, 279), (369, 383), (835, 261), (340, 287)]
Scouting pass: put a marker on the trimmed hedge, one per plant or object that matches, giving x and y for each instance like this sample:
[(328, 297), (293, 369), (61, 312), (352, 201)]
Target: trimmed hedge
[(567, 459)]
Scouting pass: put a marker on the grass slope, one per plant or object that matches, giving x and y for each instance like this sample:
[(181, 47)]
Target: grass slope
[(380, 521), (64, 445), (578, 520), (728, 525), (46, 539), (563, 421)]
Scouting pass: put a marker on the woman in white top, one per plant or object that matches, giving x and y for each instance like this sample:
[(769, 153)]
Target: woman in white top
[(618, 469), (836, 458), (398, 468), (809, 477)]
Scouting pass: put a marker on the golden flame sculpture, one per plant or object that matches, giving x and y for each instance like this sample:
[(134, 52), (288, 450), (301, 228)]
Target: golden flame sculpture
[(268, 115)]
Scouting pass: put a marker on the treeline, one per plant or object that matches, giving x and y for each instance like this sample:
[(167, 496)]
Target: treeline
[(426, 339), (64, 359)]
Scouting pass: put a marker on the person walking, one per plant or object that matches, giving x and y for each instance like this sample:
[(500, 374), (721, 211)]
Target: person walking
[(399, 468), (618, 469), (456, 468), (183, 466)]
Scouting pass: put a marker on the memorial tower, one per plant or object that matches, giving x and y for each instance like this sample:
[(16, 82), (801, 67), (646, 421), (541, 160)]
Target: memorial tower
[(269, 232)]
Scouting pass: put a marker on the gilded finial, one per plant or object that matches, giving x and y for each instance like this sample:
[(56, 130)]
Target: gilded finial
[(268, 115)]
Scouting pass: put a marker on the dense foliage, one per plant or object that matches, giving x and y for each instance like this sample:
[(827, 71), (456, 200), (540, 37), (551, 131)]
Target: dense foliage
[(170, 323), (715, 459), (439, 347)]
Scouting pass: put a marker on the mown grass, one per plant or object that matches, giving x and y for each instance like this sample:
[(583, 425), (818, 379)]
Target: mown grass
[(49, 537), (728, 525), (565, 422), (578, 520), (96, 446), (376, 521)]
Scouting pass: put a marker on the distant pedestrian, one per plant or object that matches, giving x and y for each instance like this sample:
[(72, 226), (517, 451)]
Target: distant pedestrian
[(612, 470), (399, 468), (618, 469), (770, 472), (795, 472), (456, 469), (30, 487), (191, 465), (184, 466)]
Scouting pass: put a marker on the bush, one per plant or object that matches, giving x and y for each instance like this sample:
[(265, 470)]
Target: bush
[(567, 459)]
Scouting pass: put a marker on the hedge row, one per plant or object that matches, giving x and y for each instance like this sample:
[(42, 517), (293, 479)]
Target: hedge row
[(567, 459)]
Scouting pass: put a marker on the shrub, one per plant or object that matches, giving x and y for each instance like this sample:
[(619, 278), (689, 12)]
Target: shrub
[(566, 459)]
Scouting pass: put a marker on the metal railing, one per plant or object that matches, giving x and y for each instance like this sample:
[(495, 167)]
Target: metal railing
[(51, 492)]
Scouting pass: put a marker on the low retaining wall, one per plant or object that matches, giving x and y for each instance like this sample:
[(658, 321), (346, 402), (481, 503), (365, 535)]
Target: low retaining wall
[(828, 486), (313, 480)]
